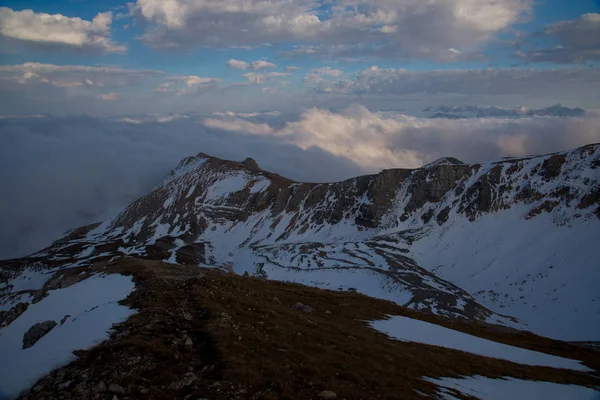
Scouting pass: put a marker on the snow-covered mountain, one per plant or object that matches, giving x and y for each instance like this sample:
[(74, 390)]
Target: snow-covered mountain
[(512, 241), (457, 112)]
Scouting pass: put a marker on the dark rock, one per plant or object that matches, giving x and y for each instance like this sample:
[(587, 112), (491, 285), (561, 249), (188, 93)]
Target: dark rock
[(101, 388), (443, 216), (552, 166), (327, 395), (427, 216), (302, 307), (8, 317), (114, 388), (251, 163), (36, 332)]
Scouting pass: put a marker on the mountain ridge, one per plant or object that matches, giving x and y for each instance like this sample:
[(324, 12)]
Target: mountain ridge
[(380, 234)]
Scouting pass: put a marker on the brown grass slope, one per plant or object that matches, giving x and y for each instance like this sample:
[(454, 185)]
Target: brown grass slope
[(206, 334)]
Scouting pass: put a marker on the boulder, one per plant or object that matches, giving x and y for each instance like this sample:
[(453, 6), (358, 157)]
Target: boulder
[(36, 332)]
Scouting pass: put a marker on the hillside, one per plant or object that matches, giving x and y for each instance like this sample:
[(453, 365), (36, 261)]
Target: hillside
[(498, 241), (477, 248), (205, 333)]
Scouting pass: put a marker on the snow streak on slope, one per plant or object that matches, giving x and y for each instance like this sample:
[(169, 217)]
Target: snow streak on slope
[(414, 330), (84, 313), (484, 388)]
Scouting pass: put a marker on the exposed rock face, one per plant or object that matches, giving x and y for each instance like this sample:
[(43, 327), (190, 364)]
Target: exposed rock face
[(36, 332), (6, 317), (251, 163)]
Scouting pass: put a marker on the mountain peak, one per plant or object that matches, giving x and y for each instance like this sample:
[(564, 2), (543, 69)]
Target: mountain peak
[(251, 163), (445, 161)]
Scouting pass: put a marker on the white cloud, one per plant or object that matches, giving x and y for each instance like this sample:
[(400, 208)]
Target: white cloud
[(73, 76), (376, 141), (318, 75), (258, 78), (107, 96), (193, 84), (238, 64), (56, 30), (255, 65), (388, 28), (291, 68), (262, 64), (472, 82)]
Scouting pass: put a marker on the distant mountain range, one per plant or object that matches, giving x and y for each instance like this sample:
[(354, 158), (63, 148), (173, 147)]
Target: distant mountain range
[(459, 112)]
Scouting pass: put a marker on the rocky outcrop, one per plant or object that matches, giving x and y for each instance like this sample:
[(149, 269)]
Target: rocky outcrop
[(36, 332), (7, 317)]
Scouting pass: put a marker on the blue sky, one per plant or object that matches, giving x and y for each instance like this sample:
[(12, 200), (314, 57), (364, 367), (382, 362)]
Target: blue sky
[(186, 38)]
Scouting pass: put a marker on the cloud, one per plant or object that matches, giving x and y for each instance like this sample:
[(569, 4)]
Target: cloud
[(437, 29), (318, 75), (193, 84), (47, 88), (291, 68), (55, 31), (64, 172), (34, 88), (73, 76), (61, 173), (473, 82), (108, 96), (238, 64), (255, 65), (262, 78), (576, 41), (375, 141)]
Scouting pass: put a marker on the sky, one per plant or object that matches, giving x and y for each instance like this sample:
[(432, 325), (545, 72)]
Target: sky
[(100, 99), (82, 56)]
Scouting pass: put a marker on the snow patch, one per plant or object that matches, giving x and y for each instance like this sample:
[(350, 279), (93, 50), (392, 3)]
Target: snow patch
[(93, 306), (413, 330), (515, 389), (225, 187)]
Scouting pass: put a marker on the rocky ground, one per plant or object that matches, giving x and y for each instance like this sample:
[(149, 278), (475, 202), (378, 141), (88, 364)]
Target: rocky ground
[(207, 334)]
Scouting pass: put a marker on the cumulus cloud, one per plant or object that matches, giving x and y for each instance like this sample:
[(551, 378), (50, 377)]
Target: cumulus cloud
[(238, 64), (318, 75), (258, 78), (576, 41), (54, 31), (193, 84), (376, 141), (436, 29), (255, 65)]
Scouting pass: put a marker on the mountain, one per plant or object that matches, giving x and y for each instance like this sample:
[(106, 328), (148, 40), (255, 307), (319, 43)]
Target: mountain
[(508, 241), (479, 248), (458, 112)]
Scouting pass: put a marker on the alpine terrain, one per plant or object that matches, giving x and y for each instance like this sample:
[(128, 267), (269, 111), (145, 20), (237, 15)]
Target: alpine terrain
[(473, 272)]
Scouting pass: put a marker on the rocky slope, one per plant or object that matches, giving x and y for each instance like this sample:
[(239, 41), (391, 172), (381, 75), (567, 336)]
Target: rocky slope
[(510, 241), (200, 333)]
